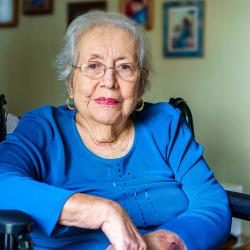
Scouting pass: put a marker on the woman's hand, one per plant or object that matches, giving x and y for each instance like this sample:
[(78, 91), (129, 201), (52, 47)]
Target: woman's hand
[(121, 231), (163, 240), (87, 211)]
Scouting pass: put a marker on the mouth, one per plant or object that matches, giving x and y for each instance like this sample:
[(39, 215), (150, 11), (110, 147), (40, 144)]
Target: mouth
[(107, 101)]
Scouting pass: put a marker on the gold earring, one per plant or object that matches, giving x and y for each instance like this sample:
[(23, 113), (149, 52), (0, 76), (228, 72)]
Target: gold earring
[(139, 105), (70, 103)]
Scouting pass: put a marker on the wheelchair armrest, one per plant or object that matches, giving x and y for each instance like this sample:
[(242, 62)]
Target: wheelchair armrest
[(14, 222), (240, 205)]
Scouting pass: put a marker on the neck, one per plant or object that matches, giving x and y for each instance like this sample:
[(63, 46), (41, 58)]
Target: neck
[(102, 134)]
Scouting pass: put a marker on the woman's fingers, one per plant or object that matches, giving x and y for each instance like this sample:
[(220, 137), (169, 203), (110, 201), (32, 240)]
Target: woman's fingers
[(87, 211), (124, 237), (121, 231)]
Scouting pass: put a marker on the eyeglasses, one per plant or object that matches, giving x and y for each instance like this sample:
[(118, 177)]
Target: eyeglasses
[(96, 70)]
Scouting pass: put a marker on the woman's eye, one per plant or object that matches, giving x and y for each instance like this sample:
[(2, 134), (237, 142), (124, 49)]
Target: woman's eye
[(92, 66), (125, 67)]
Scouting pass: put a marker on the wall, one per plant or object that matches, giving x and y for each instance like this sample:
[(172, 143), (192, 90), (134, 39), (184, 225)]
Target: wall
[(215, 86)]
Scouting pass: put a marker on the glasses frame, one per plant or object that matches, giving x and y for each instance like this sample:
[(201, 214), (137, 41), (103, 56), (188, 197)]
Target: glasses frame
[(83, 66)]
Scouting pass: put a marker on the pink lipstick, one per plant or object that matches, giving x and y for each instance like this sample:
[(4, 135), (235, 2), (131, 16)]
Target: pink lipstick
[(106, 101)]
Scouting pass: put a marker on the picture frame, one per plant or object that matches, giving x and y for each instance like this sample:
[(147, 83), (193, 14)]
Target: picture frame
[(183, 24), (37, 7), (139, 11), (79, 8), (8, 13)]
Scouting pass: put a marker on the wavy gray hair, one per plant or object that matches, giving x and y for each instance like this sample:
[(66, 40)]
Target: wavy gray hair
[(82, 24)]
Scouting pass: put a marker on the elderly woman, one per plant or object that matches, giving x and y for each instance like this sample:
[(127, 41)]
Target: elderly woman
[(102, 172)]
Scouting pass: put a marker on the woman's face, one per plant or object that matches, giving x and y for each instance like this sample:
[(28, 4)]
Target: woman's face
[(110, 99)]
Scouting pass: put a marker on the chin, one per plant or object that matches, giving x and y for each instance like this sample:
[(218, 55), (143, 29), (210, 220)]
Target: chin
[(108, 119), (108, 115)]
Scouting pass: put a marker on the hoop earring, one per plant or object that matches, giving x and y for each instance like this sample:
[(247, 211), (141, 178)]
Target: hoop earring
[(139, 105), (70, 103)]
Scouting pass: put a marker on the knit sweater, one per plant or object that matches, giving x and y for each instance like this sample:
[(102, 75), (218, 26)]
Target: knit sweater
[(163, 181)]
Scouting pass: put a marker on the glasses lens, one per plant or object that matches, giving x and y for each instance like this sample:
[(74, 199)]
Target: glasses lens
[(126, 71), (94, 69), (97, 70)]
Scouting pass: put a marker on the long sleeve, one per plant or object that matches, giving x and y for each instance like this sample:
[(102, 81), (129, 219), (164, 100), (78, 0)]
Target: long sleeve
[(206, 222), (163, 182), (22, 168)]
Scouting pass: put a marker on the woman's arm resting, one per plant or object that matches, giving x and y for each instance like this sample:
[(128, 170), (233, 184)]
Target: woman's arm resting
[(205, 224), (87, 211)]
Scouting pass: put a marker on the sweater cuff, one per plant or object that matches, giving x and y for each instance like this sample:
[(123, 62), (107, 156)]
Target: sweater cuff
[(47, 213)]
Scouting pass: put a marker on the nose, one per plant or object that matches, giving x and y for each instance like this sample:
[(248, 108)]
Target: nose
[(109, 78)]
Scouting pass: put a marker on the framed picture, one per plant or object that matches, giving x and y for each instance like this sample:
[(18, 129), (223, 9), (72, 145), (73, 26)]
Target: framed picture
[(183, 29), (34, 7), (8, 13), (141, 11), (77, 9)]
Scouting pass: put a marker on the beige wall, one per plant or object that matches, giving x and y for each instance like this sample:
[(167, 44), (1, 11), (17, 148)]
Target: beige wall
[(215, 86)]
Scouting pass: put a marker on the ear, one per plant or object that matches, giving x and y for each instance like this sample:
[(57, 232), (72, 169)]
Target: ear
[(143, 79), (69, 87), (146, 73)]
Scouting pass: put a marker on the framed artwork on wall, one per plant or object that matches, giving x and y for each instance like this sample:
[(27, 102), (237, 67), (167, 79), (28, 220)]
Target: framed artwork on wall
[(183, 24), (77, 9), (34, 7), (8, 13), (141, 11)]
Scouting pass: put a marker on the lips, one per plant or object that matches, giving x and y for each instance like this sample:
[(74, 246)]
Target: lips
[(106, 101)]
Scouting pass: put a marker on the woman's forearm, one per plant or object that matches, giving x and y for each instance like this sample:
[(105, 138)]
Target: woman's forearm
[(85, 211)]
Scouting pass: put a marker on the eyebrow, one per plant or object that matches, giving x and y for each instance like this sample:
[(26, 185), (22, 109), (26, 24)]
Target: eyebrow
[(94, 56)]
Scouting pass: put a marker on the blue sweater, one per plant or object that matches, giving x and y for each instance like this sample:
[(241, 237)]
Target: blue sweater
[(163, 182)]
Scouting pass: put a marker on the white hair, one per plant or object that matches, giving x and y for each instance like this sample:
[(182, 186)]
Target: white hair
[(82, 24)]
